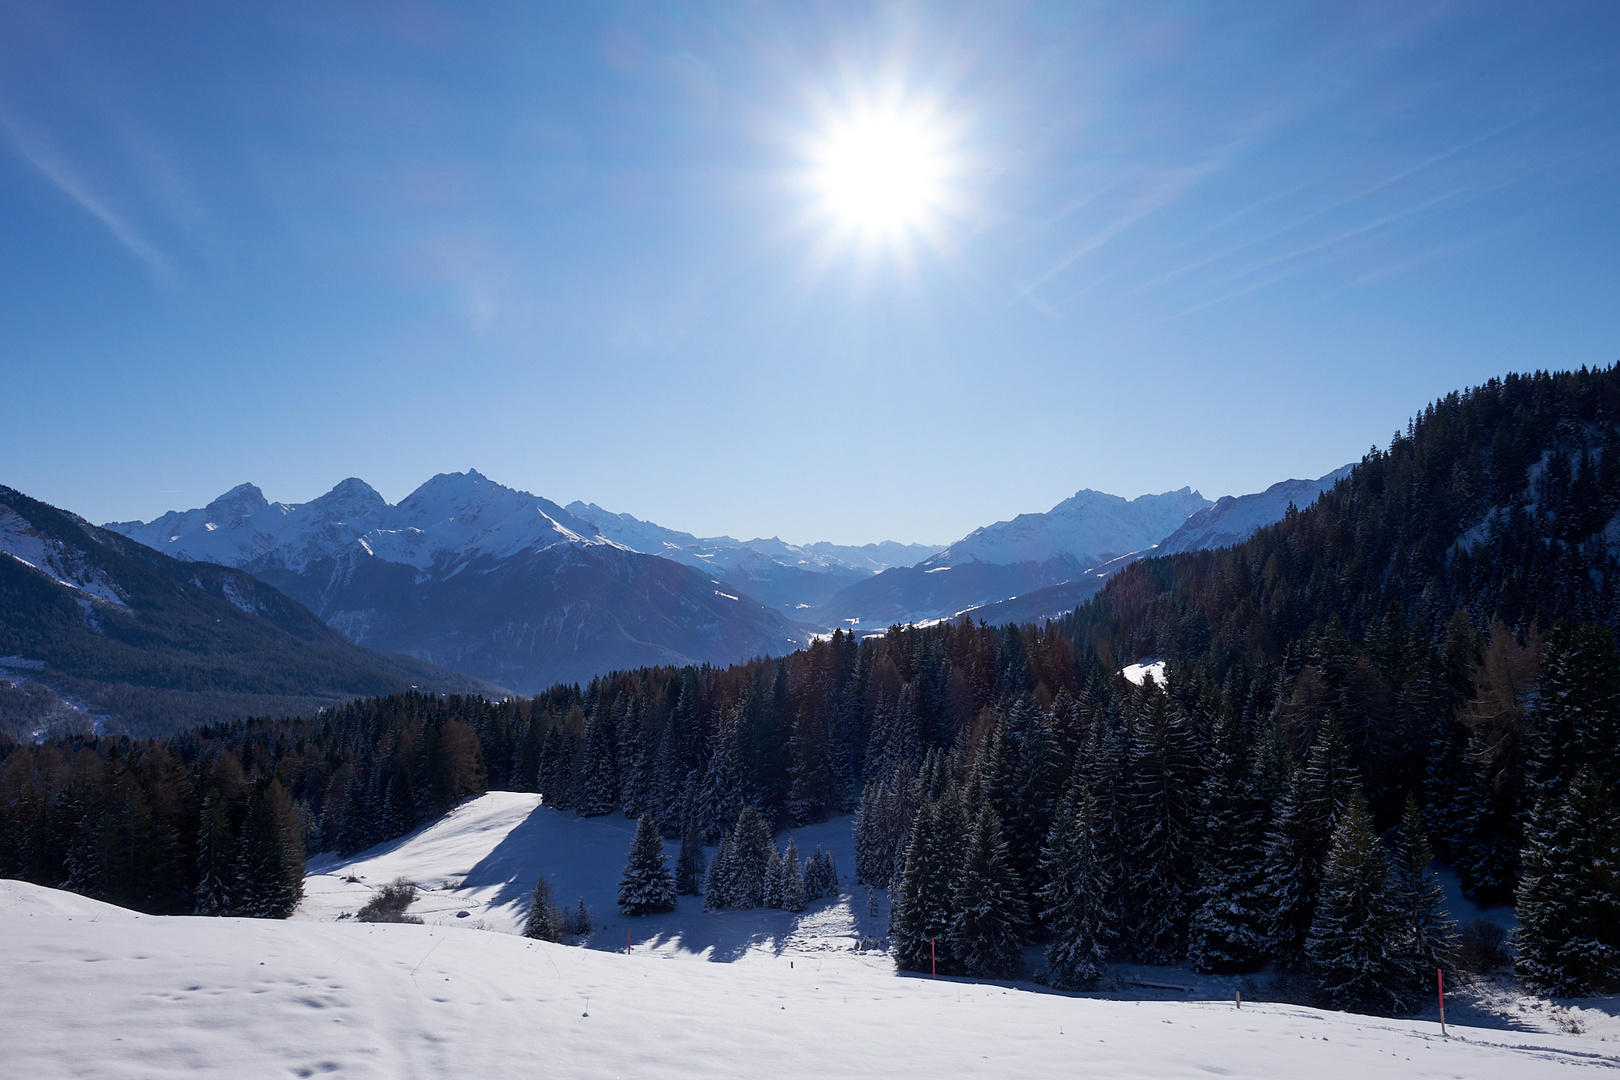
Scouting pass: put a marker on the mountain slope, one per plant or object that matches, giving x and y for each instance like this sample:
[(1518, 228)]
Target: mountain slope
[(1233, 519), (497, 583), (150, 642)]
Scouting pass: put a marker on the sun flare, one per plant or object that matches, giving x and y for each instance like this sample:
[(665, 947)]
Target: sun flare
[(883, 172)]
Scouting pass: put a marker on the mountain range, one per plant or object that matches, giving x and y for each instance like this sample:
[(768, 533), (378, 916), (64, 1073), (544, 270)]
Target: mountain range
[(518, 590), (479, 577), (95, 628)]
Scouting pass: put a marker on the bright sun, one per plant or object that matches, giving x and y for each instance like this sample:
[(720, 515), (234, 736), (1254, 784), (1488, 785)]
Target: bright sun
[(882, 172)]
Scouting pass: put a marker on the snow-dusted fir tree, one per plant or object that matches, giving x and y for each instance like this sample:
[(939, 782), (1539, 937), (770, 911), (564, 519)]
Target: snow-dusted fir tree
[(1075, 895), (216, 872), (721, 797), (1297, 843), (751, 851), (922, 905), (883, 826), (820, 875), (599, 785), (545, 922), (1231, 916), (717, 883), (689, 864), (1358, 944), (990, 916), (1432, 935), (1569, 898), (646, 886), (1577, 712), (790, 888), (270, 854), (1165, 769), (771, 896)]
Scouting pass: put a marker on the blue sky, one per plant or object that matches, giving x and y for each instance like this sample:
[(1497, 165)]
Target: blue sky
[(587, 249)]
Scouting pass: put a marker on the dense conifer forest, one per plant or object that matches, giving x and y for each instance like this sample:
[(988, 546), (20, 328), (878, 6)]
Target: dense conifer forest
[(1423, 663)]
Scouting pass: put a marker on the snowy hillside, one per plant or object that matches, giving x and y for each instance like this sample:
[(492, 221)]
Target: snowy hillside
[(89, 989), (1233, 519), (1090, 526)]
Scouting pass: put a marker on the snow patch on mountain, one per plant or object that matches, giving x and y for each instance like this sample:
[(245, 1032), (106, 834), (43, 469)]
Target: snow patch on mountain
[(1233, 519), (66, 567)]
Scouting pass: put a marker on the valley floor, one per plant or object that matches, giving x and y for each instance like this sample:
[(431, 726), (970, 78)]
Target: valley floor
[(87, 989)]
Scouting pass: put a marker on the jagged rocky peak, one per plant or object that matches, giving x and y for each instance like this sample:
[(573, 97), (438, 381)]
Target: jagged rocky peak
[(237, 505)]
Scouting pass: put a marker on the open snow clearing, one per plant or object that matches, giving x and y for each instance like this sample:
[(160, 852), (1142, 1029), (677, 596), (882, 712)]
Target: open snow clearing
[(108, 993), (91, 989)]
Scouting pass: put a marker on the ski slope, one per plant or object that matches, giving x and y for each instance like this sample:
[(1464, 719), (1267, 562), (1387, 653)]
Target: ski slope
[(90, 990)]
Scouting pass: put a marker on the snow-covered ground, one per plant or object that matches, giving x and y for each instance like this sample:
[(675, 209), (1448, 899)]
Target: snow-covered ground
[(477, 867), (87, 989), (94, 991)]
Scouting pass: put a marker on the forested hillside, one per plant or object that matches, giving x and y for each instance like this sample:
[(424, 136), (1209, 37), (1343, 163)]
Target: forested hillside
[(94, 626)]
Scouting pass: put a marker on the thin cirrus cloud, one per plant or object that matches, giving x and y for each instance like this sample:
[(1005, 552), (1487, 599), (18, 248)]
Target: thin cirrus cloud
[(39, 153)]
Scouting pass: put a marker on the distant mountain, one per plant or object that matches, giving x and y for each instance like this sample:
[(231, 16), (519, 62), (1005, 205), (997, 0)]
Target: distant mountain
[(789, 577), (1233, 519), (1012, 558), (1090, 527), (478, 577), (96, 630)]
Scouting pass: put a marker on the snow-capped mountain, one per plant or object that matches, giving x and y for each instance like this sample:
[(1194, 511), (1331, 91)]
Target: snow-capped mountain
[(789, 577), (1233, 519), (1091, 527), (476, 576), (1012, 558), (450, 519)]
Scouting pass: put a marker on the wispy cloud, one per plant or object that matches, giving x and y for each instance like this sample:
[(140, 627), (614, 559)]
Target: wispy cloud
[(1315, 248), (1170, 188), (38, 153)]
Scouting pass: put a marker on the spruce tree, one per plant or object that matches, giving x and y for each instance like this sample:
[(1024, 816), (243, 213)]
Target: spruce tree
[(216, 872), (1162, 817), (1432, 935), (689, 864), (1074, 898), (922, 905), (717, 883), (990, 916), (721, 796), (791, 891), (599, 792), (751, 851), (545, 921), (1228, 930), (646, 886), (1569, 898), (1358, 945), (773, 881), (1297, 844), (270, 864)]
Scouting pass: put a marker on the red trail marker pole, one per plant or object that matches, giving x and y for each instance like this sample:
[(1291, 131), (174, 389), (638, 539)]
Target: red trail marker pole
[(1440, 987), (627, 943), (933, 958)]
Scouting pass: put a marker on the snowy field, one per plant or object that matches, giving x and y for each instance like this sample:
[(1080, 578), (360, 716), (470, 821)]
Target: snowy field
[(91, 990)]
